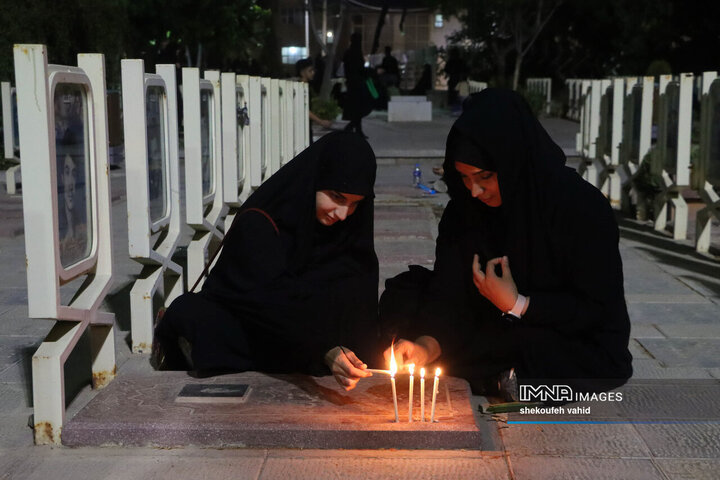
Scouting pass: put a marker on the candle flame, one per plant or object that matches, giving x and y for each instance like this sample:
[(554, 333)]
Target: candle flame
[(422, 372), (393, 363), (437, 372), (411, 368)]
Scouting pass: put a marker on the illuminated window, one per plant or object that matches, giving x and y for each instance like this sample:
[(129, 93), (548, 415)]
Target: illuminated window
[(290, 55), (438, 20)]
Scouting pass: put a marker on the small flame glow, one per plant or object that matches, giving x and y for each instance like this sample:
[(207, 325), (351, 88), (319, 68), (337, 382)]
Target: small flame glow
[(437, 372), (411, 368), (393, 363), (422, 372)]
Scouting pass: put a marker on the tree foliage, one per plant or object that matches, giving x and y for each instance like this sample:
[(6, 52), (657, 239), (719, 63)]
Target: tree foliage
[(587, 38), (207, 33)]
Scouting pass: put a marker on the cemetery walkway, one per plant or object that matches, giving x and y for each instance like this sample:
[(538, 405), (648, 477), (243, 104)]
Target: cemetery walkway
[(671, 403)]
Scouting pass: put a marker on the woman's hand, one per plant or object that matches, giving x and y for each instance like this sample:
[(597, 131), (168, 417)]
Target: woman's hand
[(501, 291), (422, 351), (346, 367)]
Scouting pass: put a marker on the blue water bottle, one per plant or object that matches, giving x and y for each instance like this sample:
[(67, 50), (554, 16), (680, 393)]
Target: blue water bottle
[(417, 175)]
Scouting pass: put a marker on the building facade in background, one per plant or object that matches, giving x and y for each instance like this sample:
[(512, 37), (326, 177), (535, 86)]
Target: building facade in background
[(424, 33)]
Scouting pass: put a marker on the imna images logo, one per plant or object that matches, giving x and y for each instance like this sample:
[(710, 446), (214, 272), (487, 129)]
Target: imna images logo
[(563, 393)]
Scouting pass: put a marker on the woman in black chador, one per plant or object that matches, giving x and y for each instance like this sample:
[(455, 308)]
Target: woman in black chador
[(528, 277), (358, 102), (296, 279)]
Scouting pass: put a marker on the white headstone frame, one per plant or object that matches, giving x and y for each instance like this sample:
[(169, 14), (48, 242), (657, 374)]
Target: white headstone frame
[(203, 167), (305, 114), (573, 85), (265, 126), (286, 119), (73, 135), (275, 128), (475, 86), (256, 140), (543, 86), (6, 93), (300, 131), (706, 174), (637, 135), (601, 165), (583, 136), (673, 162), (614, 178), (593, 168), (236, 181), (153, 191), (10, 144)]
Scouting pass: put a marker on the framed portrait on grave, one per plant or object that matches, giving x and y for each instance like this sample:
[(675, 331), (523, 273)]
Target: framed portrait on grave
[(16, 125), (264, 122), (240, 102), (672, 117), (157, 135), (74, 157), (635, 118), (606, 115), (207, 137), (713, 158)]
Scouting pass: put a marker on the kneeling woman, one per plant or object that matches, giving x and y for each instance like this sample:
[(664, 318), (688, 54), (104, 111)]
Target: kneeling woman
[(528, 276), (296, 279)]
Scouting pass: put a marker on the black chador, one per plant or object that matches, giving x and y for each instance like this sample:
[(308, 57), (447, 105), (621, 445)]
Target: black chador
[(561, 239), (286, 288)]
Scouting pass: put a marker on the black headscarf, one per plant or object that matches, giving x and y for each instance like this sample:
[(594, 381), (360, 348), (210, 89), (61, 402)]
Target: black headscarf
[(338, 161), (498, 132)]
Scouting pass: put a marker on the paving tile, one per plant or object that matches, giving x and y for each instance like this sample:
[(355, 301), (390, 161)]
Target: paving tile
[(665, 313), (15, 432), (394, 464), (15, 322), (669, 399), (649, 368), (691, 330), (700, 440), (402, 230), (14, 350), (682, 352), (14, 398), (645, 330), (574, 440), (554, 468), (672, 297), (71, 464), (638, 350), (682, 469), (421, 252)]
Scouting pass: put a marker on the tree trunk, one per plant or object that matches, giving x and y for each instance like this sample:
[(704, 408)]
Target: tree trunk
[(379, 27), (326, 87), (516, 72)]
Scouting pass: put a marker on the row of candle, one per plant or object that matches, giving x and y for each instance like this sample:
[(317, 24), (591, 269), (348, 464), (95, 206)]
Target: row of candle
[(411, 369)]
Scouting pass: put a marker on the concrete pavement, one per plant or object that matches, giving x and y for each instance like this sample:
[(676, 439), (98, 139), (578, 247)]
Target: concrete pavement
[(674, 301)]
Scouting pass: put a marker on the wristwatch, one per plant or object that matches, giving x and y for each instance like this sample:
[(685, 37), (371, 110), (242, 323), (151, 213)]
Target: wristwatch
[(517, 309)]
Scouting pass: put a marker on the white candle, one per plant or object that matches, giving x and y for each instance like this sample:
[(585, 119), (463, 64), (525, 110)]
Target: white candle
[(435, 390), (393, 370), (392, 381), (411, 367), (422, 394)]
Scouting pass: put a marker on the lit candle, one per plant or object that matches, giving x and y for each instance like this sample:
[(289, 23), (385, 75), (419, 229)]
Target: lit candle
[(422, 394), (393, 370), (411, 367), (435, 390)]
